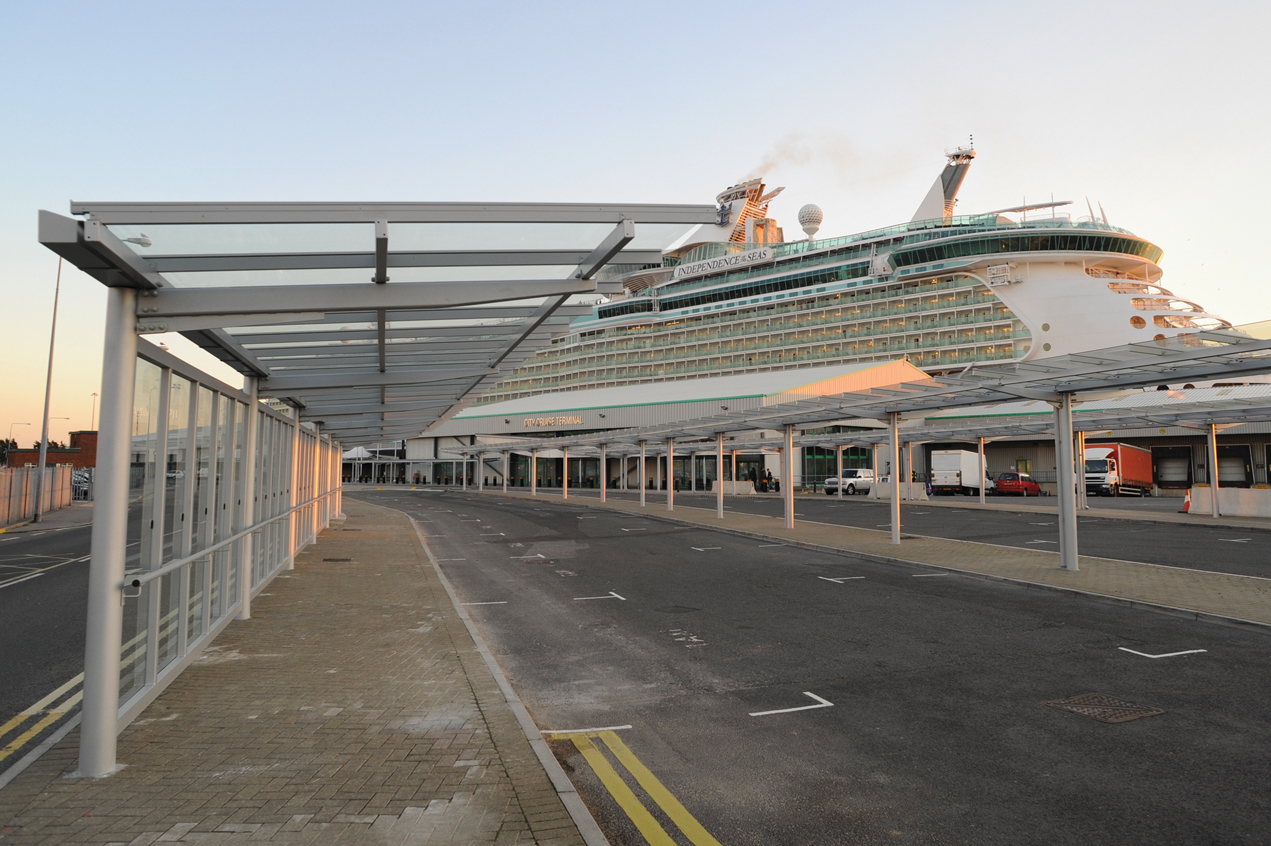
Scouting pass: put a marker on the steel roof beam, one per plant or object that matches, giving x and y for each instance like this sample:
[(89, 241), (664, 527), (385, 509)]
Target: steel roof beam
[(247, 213), (258, 340), (282, 385), (240, 262), (282, 299)]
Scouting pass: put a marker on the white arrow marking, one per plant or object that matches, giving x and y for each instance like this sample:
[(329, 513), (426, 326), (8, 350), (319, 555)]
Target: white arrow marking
[(1166, 655), (822, 704), (840, 579), (611, 595)]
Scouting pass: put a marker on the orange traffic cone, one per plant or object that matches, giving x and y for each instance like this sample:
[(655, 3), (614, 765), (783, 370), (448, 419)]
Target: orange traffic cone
[(1187, 502)]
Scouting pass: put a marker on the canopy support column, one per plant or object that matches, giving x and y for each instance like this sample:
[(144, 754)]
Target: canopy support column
[(1082, 503), (670, 474), (506, 463), (643, 484), (1067, 483), (983, 472), (604, 472), (1212, 435), (534, 473), (893, 448), (564, 482), (787, 473), (840, 471), (719, 475), (104, 635), (480, 472)]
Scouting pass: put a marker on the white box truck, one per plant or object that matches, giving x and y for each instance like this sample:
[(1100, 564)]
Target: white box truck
[(956, 471)]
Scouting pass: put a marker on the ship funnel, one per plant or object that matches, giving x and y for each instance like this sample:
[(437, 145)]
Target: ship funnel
[(938, 204)]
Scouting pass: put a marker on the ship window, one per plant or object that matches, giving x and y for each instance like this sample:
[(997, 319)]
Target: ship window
[(1138, 322)]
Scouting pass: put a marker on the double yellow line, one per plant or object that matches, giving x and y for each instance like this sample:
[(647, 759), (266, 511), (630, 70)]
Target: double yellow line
[(43, 714), (626, 798)]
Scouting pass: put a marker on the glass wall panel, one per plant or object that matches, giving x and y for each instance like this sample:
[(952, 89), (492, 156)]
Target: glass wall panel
[(141, 513), (223, 525), (177, 477), (203, 512)]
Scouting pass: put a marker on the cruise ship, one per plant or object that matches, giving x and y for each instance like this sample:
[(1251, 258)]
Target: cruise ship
[(943, 291)]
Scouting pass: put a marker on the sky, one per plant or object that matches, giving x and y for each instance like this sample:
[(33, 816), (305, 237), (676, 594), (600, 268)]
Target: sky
[(1158, 111)]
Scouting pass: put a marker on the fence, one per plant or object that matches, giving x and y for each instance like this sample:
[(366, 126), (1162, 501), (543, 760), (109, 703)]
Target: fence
[(17, 492)]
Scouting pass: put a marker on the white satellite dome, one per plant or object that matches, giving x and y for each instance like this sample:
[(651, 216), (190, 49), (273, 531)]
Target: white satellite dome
[(810, 217)]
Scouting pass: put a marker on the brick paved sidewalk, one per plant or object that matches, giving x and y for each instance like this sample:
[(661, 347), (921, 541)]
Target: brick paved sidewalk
[(353, 708), (1198, 593)]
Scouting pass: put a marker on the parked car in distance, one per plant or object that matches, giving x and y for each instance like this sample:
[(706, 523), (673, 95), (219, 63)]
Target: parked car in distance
[(854, 482), (1017, 483)]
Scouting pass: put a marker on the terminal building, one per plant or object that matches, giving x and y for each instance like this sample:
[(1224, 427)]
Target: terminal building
[(735, 311)]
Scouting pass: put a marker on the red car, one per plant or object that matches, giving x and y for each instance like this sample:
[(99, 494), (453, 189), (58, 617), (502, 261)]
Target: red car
[(1017, 483)]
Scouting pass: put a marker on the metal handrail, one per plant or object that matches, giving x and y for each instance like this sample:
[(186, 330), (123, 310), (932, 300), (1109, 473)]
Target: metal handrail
[(204, 553)]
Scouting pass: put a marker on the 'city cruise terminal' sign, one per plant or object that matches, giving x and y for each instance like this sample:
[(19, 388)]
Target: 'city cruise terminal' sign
[(724, 262), (552, 420)]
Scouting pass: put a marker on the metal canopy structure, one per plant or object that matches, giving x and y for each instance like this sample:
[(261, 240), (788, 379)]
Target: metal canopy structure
[(375, 320), (1196, 357), (371, 320), (1200, 356)]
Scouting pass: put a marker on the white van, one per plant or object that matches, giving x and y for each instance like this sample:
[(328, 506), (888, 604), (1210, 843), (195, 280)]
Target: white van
[(854, 482)]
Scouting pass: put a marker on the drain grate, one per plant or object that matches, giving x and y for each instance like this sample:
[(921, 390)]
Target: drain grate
[(1104, 708), (338, 560)]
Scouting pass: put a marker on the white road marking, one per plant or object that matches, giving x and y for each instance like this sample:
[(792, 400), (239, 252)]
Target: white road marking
[(588, 518), (635, 530), (523, 557), (23, 579), (452, 559), (491, 535), (771, 544), (1040, 541), (704, 548), (1042, 524), (471, 521), (822, 703), (1235, 540), (840, 579), (928, 575), (584, 731), (1166, 655), (503, 602), (611, 595), (919, 512)]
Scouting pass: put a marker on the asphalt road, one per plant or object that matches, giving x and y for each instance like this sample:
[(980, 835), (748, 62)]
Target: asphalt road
[(41, 617), (1245, 552), (938, 732)]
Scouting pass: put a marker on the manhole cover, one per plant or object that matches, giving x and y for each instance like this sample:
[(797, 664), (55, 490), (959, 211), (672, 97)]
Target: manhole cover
[(1104, 708), (337, 559)]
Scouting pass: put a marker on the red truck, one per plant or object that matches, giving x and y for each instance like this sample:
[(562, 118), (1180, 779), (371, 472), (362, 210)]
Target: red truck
[(1115, 469)]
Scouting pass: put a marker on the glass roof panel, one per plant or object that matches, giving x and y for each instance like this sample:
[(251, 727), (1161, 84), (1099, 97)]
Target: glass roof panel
[(358, 275), (173, 239), (176, 239)]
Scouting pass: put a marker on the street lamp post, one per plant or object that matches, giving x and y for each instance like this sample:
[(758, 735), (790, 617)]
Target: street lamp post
[(12, 441), (39, 475), (48, 390), (92, 420)]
